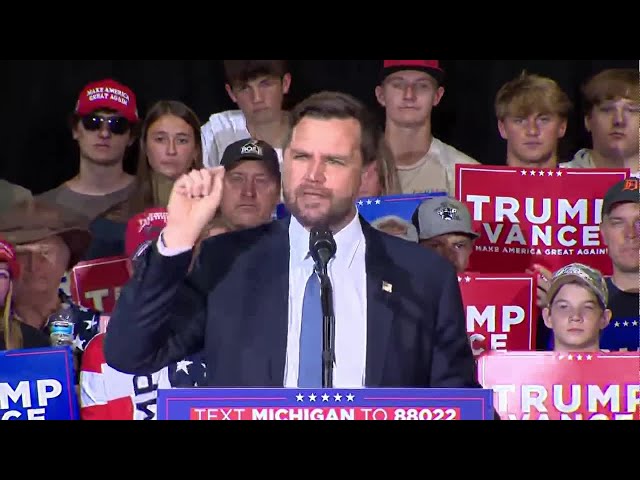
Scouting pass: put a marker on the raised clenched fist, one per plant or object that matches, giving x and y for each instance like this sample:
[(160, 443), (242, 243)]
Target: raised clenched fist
[(194, 201)]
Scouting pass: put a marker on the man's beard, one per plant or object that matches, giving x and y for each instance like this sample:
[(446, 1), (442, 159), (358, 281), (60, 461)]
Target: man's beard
[(335, 216)]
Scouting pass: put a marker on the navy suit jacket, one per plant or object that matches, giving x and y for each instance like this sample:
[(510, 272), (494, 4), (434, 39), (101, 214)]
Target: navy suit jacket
[(233, 305)]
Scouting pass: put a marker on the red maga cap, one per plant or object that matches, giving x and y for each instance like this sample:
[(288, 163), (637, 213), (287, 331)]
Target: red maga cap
[(432, 67), (109, 95), (143, 227)]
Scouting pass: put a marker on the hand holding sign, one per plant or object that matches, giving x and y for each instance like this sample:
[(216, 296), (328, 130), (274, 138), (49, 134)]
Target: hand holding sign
[(194, 200), (544, 279)]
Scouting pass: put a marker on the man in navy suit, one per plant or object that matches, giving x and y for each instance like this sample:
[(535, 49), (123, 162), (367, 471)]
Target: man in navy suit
[(399, 315)]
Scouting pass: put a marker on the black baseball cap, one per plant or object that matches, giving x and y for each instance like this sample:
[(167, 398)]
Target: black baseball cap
[(625, 191), (250, 149)]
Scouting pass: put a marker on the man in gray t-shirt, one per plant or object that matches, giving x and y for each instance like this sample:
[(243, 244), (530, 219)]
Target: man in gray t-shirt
[(102, 124)]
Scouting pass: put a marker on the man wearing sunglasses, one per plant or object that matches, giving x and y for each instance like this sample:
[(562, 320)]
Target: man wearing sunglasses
[(103, 124)]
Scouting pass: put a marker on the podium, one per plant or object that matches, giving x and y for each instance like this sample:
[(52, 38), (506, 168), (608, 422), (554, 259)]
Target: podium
[(324, 404)]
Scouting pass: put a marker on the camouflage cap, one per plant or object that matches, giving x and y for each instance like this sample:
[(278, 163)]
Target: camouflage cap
[(587, 276)]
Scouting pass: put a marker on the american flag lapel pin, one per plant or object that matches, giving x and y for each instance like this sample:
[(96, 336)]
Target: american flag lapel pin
[(387, 287)]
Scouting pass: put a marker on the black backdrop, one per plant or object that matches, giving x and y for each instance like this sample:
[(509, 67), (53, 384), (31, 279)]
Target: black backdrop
[(39, 152)]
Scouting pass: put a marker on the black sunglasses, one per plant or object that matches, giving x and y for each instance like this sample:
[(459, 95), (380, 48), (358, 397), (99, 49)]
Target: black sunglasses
[(116, 125)]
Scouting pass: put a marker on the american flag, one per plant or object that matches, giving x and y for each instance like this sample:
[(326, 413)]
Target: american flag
[(621, 334), (188, 373), (107, 394), (85, 320)]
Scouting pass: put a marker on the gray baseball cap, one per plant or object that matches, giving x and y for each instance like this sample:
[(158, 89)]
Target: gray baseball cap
[(441, 215)]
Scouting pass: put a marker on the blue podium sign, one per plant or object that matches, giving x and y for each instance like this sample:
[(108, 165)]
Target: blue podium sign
[(333, 404), (38, 384)]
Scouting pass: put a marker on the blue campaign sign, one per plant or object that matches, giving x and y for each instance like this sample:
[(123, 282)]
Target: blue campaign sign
[(38, 384), (372, 208), (402, 206), (332, 404)]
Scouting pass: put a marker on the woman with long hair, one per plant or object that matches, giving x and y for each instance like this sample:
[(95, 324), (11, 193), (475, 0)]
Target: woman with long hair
[(381, 177), (14, 334), (170, 146)]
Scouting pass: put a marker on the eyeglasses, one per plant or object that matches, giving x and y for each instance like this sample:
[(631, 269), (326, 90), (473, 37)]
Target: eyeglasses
[(116, 125)]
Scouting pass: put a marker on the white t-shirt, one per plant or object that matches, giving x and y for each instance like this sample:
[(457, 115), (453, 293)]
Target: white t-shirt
[(435, 172), (583, 159), (222, 130)]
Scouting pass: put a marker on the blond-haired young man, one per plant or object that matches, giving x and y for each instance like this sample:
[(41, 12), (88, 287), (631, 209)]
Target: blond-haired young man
[(532, 112)]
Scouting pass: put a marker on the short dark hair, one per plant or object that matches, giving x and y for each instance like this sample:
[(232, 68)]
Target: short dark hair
[(336, 105), (243, 71)]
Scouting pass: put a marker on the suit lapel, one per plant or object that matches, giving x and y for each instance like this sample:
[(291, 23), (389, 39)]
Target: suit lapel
[(380, 276), (270, 279)]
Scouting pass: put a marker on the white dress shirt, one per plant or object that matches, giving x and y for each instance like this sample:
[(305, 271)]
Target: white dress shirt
[(347, 271)]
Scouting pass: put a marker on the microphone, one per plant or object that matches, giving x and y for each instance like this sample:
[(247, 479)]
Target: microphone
[(322, 247)]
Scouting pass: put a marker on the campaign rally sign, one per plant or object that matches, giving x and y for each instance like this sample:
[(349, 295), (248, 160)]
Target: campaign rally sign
[(526, 216), (96, 283), (325, 404), (501, 311), (562, 386), (402, 206), (38, 384)]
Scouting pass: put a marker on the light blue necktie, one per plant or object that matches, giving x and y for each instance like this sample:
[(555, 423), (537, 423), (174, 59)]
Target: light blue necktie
[(310, 369)]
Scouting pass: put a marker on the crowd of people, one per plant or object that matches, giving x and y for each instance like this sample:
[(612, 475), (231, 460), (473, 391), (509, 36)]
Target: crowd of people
[(104, 212)]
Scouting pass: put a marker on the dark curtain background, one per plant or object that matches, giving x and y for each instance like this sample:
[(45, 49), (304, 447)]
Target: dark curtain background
[(39, 152)]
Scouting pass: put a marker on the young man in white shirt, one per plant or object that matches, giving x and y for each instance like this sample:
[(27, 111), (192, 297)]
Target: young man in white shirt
[(258, 88), (409, 90)]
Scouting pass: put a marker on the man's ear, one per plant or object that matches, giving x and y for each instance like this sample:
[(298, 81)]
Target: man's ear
[(606, 318), (379, 92), (286, 83), (563, 128), (369, 170), (546, 316), (229, 90), (502, 130), (438, 96)]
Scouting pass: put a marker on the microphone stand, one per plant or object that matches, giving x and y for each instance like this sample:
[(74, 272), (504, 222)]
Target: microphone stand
[(328, 327)]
